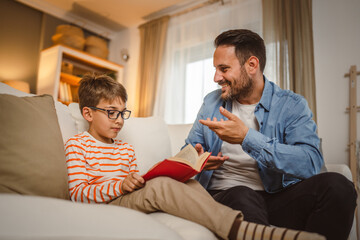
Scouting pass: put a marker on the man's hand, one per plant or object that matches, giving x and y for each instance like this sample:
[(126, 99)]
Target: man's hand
[(132, 182), (214, 162), (232, 131)]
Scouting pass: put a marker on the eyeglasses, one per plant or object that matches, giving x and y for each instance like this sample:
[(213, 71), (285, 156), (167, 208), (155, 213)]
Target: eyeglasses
[(114, 114)]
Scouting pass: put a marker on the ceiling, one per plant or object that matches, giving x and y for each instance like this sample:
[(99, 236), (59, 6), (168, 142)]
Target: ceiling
[(113, 14)]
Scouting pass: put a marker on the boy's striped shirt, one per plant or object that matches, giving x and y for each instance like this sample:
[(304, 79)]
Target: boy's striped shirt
[(96, 169)]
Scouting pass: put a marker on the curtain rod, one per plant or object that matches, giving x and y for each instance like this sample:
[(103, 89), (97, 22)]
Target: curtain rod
[(204, 4)]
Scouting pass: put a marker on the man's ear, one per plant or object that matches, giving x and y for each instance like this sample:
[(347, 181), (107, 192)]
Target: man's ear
[(87, 114), (252, 65)]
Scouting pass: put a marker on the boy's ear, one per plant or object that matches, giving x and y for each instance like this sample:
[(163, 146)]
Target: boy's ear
[(87, 114)]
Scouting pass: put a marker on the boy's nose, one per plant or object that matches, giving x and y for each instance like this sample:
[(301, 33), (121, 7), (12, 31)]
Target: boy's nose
[(119, 119)]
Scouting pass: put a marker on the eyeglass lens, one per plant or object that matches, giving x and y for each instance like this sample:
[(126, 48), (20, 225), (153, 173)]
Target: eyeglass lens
[(114, 114)]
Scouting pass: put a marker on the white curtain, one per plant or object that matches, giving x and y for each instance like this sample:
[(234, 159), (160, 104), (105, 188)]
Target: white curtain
[(189, 49), (289, 36)]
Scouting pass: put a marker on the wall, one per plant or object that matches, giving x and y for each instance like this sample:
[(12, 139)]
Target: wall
[(20, 30), (49, 24), (336, 47), (24, 32), (128, 39)]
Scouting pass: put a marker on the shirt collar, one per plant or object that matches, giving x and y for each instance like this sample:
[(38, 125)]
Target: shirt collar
[(265, 99), (266, 95)]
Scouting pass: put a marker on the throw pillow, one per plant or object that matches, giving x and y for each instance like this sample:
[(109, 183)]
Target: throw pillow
[(81, 124), (150, 138), (32, 158), (67, 125)]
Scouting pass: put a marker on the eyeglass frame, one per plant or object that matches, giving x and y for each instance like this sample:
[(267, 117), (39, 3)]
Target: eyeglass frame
[(118, 112)]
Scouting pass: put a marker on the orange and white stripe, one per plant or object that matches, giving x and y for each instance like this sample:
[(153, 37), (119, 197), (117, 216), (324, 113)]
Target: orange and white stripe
[(96, 169)]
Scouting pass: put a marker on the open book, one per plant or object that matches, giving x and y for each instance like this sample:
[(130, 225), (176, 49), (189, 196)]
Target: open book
[(184, 165)]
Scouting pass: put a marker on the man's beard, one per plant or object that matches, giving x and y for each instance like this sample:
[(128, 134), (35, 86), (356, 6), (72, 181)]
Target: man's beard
[(239, 90)]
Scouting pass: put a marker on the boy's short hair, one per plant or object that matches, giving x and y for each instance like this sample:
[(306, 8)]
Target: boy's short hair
[(93, 88)]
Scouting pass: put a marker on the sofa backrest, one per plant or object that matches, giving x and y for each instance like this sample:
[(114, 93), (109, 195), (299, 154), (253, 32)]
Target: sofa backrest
[(149, 136), (178, 133)]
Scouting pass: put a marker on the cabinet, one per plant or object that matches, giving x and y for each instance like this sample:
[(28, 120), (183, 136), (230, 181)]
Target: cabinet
[(61, 68)]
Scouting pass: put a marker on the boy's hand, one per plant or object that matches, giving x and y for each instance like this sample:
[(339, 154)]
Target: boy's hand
[(199, 149), (132, 182)]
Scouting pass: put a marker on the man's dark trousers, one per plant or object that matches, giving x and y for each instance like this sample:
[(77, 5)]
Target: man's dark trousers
[(324, 203)]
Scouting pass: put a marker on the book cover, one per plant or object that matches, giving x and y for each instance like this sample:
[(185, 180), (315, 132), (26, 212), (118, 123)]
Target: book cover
[(177, 168)]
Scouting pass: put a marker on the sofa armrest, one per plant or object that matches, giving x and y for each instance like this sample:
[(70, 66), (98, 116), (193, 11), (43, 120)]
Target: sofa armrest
[(340, 168), (345, 170)]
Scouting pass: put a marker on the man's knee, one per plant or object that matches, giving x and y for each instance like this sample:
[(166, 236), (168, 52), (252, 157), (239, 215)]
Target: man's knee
[(239, 197), (248, 201), (338, 188)]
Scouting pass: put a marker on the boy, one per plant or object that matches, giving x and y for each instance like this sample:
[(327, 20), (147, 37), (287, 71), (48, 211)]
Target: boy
[(102, 169)]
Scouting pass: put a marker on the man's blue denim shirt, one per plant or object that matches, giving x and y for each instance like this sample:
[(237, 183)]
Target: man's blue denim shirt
[(286, 147)]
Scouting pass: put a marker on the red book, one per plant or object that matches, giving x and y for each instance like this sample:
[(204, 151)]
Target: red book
[(183, 166)]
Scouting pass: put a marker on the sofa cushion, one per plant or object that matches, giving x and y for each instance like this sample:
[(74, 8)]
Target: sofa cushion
[(32, 159), (33, 217), (81, 124), (67, 124), (178, 133), (150, 138), (185, 228)]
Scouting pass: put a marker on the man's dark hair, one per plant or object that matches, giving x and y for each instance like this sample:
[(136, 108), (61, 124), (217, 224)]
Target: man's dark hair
[(93, 88), (246, 43)]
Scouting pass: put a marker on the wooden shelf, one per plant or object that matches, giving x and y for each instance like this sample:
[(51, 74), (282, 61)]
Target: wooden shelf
[(70, 79), (64, 102), (64, 86)]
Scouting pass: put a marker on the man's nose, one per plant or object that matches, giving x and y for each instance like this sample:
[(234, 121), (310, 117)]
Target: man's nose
[(218, 77)]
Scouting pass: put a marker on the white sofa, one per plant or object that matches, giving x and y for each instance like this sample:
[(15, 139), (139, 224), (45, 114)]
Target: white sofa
[(27, 216)]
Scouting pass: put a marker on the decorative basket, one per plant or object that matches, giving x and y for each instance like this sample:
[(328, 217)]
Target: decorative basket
[(96, 46), (69, 35)]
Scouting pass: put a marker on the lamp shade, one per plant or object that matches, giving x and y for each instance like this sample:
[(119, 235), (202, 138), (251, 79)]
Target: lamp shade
[(19, 85)]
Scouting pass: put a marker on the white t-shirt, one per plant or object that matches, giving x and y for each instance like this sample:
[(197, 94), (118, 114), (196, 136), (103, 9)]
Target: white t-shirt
[(240, 169)]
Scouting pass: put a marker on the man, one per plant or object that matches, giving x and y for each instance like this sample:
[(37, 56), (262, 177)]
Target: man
[(266, 156)]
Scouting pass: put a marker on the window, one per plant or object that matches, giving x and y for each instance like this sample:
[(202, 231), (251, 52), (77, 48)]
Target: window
[(187, 72), (198, 83)]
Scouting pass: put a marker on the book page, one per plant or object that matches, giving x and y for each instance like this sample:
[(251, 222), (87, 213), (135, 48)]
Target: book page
[(187, 155), (201, 160)]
